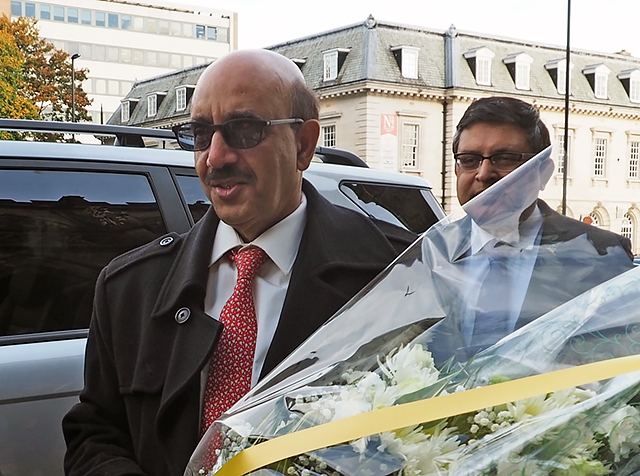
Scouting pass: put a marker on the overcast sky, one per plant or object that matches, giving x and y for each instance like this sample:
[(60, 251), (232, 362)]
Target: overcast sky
[(596, 25)]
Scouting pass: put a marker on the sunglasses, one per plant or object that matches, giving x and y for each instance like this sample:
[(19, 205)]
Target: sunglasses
[(237, 133)]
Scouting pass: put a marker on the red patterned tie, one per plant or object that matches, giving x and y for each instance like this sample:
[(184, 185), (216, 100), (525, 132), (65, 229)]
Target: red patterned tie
[(232, 362)]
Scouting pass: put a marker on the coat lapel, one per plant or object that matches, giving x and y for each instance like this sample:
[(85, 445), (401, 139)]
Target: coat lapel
[(543, 292), (333, 263)]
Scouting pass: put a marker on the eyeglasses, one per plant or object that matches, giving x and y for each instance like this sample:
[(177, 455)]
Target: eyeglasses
[(501, 161), (241, 133)]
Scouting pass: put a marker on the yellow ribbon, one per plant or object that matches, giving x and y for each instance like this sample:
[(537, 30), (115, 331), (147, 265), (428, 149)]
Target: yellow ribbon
[(422, 411)]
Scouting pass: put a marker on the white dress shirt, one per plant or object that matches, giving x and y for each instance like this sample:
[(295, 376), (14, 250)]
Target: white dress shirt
[(524, 240), (281, 243)]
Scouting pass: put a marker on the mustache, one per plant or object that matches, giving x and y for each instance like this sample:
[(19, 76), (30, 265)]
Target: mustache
[(228, 172)]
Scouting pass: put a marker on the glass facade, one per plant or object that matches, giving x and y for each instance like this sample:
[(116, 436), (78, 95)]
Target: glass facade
[(119, 21)]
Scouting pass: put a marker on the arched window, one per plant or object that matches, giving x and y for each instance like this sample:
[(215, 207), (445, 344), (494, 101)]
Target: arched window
[(627, 226), (595, 219)]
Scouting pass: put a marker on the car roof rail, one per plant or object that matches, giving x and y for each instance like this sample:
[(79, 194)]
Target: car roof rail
[(331, 155), (128, 136)]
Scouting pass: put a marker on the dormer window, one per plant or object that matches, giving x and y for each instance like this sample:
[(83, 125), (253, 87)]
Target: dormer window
[(630, 80), (183, 95), (300, 62), (152, 105), (598, 77), (153, 101), (125, 113), (407, 59), (333, 60), (519, 67), (126, 108), (558, 71), (479, 60)]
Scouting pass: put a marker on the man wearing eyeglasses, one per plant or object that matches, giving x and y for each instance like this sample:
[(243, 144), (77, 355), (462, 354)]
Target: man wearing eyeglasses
[(518, 257), (179, 332)]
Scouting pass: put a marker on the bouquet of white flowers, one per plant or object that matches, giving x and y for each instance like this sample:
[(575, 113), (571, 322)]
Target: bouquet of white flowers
[(402, 382)]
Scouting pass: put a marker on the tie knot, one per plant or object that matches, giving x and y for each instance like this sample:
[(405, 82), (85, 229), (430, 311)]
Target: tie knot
[(248, 261)]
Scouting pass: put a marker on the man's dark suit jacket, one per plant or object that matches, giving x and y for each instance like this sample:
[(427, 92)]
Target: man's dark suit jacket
[(572, 258), (139, 411)]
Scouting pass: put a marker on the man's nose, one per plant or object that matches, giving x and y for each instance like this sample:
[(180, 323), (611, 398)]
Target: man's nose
[(486, 172), (219, 153)]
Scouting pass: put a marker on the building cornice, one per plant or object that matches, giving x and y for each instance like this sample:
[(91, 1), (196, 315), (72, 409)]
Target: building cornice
[(385, 89)]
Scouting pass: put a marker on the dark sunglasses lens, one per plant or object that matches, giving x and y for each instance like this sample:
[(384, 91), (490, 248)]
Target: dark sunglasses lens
[(202, 134), (243, 134), (185, 137)]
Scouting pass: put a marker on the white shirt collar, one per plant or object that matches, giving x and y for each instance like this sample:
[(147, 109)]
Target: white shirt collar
[(280, 242), (524, 237)]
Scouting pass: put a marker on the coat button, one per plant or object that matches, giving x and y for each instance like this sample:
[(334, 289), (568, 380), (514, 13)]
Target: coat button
[(166, 241), (182, 315)]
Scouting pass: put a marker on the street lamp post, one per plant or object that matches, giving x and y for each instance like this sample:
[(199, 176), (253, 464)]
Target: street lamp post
[(74, 57), (567, 86)]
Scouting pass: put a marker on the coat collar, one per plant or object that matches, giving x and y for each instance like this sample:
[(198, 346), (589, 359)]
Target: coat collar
[(555, 228), (189, 273), (325, 232)]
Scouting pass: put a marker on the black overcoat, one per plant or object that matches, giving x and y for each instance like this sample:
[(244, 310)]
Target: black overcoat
[(139, 410)]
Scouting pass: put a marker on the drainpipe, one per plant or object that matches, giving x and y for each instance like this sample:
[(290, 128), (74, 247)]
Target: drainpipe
[(443, 173), (451, 80)]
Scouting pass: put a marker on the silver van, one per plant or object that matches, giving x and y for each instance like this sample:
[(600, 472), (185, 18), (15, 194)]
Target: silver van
[(68, 208)]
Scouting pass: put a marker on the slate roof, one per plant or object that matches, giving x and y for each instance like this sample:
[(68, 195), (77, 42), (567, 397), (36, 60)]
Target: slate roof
[(166, 114), (370, 56), (441, 65), (541, 83)]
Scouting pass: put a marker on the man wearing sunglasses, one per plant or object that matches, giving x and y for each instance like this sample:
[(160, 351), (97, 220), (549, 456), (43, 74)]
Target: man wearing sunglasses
[(518, 257), (156, 373)]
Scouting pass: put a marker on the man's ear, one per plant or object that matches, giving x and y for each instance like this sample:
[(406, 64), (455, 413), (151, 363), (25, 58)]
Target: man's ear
[(307, 139)]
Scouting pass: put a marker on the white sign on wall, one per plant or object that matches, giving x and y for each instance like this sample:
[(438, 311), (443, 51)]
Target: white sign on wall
[(389, 142)]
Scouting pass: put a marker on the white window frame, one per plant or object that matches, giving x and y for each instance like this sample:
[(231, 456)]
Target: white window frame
[(627, 227), (523, 76), (483, 71), (595, 219), (328, 135), (330, 65), (633, 88), (152, 105), (601, 85), (482, 57), (634, 158), (560, 152), (600, 150), (410, 140), (521, 69), (125, 111), (409, 57), (600, 79), (560, 67), (181, 98)]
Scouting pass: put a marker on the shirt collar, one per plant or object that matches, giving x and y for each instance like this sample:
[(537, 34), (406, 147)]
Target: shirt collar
[(524, 237), (280, 242)]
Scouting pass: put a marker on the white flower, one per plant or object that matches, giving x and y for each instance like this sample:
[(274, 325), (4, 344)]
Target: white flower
[(623, 429), (411, 368)]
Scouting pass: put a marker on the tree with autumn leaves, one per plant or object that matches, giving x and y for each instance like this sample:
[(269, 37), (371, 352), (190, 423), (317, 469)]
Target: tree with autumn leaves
[(41, 78), (13, 103)]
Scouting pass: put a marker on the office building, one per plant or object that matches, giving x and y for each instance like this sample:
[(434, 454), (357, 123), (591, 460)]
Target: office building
[(121, 42)]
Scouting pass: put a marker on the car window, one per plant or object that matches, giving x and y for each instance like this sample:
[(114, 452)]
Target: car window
[(59, 229), (402, 205), (191, 189)]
